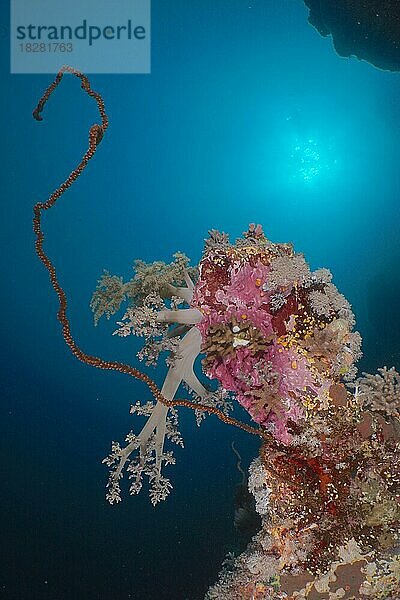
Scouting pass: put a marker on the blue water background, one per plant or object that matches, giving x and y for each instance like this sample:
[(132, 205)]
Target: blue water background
[(208, 140)]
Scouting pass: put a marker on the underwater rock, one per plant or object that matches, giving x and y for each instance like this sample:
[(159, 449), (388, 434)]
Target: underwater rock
[(367, 29)]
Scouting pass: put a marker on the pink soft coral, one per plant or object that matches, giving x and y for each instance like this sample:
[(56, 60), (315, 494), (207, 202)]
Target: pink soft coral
[(254, 347)]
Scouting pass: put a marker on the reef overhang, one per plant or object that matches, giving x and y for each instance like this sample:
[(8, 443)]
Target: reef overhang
[(366, 29)]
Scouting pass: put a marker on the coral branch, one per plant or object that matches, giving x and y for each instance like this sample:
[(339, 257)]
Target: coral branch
[(150, 441)]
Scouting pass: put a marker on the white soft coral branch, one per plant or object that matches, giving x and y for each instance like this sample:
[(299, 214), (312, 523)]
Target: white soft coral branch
[(186, 293), (183, 316), (150, 441)]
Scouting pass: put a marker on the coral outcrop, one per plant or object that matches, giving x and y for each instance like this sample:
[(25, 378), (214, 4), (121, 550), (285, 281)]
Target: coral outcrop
[(279, 340)]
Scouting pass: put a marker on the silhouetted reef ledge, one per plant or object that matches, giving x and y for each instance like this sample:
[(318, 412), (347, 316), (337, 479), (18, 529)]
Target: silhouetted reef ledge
[(366, 29)]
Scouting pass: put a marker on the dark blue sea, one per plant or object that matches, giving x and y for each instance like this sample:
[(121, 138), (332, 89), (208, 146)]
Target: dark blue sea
[(248, 115)]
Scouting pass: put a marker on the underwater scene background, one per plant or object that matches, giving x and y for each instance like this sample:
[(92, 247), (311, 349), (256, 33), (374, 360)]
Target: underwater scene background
[(249, 115)]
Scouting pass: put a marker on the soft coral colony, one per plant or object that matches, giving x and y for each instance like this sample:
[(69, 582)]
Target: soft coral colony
[(279, 340)]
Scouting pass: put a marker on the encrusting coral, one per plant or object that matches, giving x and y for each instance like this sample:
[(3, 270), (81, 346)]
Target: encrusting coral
[(279, 340)]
